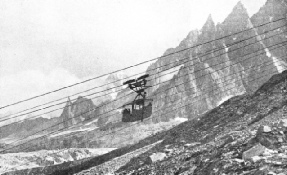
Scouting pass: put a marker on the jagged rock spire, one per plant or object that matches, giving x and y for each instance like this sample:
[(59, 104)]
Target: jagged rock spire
[(237, 20), (238, 12), (209, 24), (69, 102), (239, 6)]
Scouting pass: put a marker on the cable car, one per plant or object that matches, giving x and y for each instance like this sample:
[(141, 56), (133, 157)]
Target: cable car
[(137, 109)]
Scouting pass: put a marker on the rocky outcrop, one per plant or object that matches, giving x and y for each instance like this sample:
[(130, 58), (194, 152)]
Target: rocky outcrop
[(188, 81), (77, 112), (216, 71), (254, 151), (244, 135)]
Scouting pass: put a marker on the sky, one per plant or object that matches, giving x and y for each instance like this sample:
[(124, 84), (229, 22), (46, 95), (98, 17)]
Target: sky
[(48, 44)]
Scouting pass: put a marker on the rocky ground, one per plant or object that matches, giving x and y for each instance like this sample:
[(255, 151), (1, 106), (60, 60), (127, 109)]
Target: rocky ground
[(113, 165), (17, 161), (244, 135)]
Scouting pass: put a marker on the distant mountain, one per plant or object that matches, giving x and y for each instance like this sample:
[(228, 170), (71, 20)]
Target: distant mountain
[(114, 86), (26, 127)]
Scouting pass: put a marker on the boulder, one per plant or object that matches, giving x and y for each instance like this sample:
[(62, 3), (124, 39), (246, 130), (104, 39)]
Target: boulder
[(284, 123), (266, 129), (267, 137), (157, 156), (254, 151)]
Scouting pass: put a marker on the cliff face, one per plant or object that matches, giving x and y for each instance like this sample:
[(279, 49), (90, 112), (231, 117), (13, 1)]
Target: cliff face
[(77, 112), (244, 135), (191, 82), (213, 72)]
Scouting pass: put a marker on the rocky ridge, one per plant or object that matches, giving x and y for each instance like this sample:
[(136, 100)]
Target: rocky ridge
[(203, 77), (244, 135)]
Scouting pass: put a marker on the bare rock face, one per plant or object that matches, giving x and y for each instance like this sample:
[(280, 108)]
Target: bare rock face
[(77, 112), (210, 73), (188, 81), (227, 141)]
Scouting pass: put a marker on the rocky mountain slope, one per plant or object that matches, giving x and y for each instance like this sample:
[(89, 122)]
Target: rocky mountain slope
[(244, 135), (191, 82), (187, 84)]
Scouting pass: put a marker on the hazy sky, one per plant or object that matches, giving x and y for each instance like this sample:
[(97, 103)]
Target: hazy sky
[(46, 44)]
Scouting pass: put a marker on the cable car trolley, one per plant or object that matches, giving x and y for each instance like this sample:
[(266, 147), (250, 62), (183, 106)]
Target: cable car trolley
[(136, 109)]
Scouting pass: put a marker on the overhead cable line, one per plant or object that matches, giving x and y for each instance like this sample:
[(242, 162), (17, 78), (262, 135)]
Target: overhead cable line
[(65, 87), (136, 123), (256, 78), (115, 109), (211, 51)]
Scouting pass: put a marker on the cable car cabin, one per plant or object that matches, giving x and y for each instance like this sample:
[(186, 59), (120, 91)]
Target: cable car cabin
[(138, 110), (134, 111)]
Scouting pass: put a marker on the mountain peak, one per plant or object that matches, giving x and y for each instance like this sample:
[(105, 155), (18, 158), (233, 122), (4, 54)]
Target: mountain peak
[(209, 20), (238, 18), (239, 5), (239, 8), (208, 24)]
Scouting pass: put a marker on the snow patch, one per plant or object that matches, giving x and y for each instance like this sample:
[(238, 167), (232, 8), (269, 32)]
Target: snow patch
[(267, 53), (119, 110), (224, 99), (153, 61), (180, 119), (71, 131), (114, 94), (168, 74), (279, 64), (225, 48), (91, 122)]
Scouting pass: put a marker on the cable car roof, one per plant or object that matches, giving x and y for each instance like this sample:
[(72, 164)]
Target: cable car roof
[(136, 102)]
